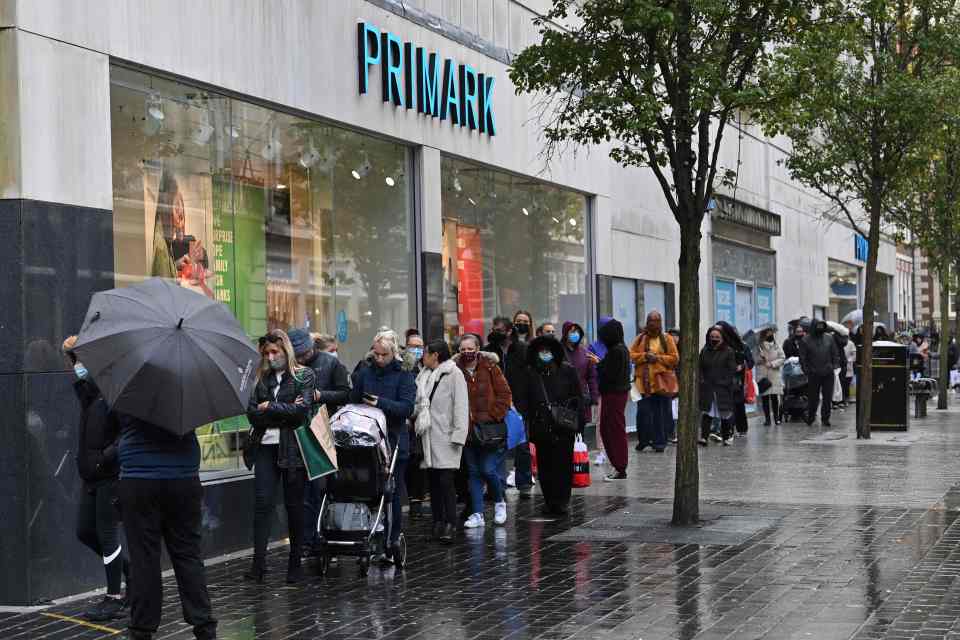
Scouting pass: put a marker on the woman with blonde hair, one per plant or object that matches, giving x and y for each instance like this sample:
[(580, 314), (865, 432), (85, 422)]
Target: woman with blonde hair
[(281, 402)]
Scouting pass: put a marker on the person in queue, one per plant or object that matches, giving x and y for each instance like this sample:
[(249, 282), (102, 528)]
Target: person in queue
[(655, 358), (791, 346), (573, 341), (770, 359), (490, 399), (98, 521), (331, 389), (547, 329), (523, 326), (384, 384), (613, 383), (325, 343), (819, 357), (417, 479), (281, 401), (442, 423), (549, 381), (744, 357), (718, 386)]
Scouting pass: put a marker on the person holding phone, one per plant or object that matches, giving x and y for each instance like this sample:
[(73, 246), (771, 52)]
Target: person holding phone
[(385, 384)]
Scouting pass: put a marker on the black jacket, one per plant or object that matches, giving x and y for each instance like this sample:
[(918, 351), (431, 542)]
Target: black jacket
[(560, 381), (791, 348), (283, 413), (820, 355), (613, 372), (98, 433), (331, 380), (513, 362), (718, 379)]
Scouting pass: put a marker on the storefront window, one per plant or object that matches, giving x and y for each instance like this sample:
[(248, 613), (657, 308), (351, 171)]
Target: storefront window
[(290, 222), (510, 243), (844, 289)]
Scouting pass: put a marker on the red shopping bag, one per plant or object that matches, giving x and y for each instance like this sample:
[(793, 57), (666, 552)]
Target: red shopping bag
[(533, 458), (581, 464), (749, 390)]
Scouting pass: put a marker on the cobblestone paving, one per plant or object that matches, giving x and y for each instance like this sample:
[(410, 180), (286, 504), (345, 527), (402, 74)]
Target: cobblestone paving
[(807, 534)]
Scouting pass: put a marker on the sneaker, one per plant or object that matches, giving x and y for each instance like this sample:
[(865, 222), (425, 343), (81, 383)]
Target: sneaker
[(672, 440), (702, 442), (475, 521), (106, 610), (512, 479), (740, 435), (824, 423), (600, 459), (726, 442), (616, 475), (500, 513), (716, 437)]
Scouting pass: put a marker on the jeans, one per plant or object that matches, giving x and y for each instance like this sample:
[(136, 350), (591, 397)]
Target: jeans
[(654, 418), (98, 527), (443, 496), (523, 467), (167, 512), (266, 476), (483, 465)]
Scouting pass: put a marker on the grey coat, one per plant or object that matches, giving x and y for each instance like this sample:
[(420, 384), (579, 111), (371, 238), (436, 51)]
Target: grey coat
[(444, 422), (770, 360)]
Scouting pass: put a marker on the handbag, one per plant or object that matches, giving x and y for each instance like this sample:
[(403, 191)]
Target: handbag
[(764, 384), (490, 435), (250, 446), (565, 420), (667, 383)]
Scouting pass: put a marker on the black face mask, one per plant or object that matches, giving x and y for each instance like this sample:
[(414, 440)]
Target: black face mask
[(819, 328), (769, 339), (522, 329), (716, 342)]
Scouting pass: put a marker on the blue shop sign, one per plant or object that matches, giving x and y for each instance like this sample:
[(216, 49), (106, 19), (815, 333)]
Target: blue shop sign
[(861, 248), (411, 77)]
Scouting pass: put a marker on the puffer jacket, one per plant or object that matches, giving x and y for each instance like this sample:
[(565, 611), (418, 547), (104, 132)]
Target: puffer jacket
[(718, 380), (487, 388), (558, 379), (819, 355), (396, 391), (443, 421), (283, 413), (98, 433)]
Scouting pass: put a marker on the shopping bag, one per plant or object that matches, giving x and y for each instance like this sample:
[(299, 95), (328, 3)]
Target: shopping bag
[(954, 378), (533, 459), (581, 464), (675, 409), (837, 389), (316, 446), (749, 388), (516, 433)]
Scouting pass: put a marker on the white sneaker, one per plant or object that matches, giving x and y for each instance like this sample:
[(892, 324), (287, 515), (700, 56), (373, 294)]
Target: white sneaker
[(475, 521), (511, 479), (500, 513), (600, 459)]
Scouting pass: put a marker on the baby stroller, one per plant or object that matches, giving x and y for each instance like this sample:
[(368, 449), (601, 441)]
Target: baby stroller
[(355, 515), (794, 390)]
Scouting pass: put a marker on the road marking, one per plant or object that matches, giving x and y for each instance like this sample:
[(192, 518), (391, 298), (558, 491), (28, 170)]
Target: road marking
[(84, 623)]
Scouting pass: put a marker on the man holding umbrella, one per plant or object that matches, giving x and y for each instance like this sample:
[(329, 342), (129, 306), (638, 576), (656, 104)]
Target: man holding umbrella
[(167, 361)]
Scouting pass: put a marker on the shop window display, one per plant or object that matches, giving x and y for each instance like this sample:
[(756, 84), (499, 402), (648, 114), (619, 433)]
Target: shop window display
[(510, 243), (291, 222)]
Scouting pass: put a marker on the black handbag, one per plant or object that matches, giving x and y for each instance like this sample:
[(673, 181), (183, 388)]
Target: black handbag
[(565, 421), (490, 435)]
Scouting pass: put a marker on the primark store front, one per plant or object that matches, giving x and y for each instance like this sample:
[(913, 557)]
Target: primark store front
[(333, 165)]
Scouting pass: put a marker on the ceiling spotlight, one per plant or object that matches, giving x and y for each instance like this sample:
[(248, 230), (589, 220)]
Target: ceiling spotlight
[(280, 185), (472, 201), (155, 106), (390, 181), (309, 156), (573, 222), (363, 169), (525, 212), (201, 134), (555, 219), (271, 150), (457, 186), (231, 131)]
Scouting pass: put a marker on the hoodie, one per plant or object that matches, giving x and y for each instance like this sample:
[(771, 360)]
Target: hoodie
[(597, 347), (586, 369), (614, 369)]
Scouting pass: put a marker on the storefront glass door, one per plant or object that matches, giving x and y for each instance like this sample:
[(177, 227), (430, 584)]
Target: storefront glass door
[(744, 318)]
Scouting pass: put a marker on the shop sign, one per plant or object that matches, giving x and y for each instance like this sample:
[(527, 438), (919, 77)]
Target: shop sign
[(413, 78), (746, 215), (861, 248)]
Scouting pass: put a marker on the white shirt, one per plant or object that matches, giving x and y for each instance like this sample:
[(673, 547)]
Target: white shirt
[(272, 436)]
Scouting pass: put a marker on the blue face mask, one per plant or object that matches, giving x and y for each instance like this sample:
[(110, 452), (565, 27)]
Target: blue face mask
[(416, 352), (546, 357), (80, 370), (573, 337)]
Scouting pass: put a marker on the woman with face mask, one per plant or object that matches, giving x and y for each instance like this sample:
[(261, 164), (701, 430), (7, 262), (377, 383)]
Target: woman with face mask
[(770, 359), (550, 381), (718, 386), (574, 344), (281, 401), (522, 326)]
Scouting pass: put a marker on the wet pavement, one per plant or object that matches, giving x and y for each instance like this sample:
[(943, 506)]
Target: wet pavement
[(807, 533)]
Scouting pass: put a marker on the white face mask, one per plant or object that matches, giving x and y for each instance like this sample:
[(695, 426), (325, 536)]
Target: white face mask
[(335, 354)]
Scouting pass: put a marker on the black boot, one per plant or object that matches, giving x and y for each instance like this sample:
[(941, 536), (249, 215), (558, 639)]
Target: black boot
[(447, 531), (257, 572), (294, 567)]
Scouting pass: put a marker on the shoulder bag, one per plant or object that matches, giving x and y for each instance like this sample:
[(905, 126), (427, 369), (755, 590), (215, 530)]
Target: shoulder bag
[(565, 421)]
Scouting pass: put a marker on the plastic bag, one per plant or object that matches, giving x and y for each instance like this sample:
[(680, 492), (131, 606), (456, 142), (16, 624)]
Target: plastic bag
[(516, 433), (581, 464), (749, 387), (837, 389)]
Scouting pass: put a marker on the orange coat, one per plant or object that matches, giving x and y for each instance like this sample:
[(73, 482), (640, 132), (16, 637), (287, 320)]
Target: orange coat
[(646, 372)]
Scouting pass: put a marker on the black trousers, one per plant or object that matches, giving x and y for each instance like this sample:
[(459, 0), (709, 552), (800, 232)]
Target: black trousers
[(845, 388), (98, 527), (820, 387), (771, 402), (266, 476), (706, 422), (443, 495), (167, 511), (555, 468), (740, 416)]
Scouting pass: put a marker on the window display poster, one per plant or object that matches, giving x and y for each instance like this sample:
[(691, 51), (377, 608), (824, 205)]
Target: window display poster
[(470, 277), (765, 309), (725, 301)]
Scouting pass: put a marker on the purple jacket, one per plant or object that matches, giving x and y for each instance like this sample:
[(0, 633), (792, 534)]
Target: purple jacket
[(586, 369)]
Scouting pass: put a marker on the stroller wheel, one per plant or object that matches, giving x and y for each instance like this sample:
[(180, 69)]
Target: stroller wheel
[(364, 566), (324, 563), (400, 552)]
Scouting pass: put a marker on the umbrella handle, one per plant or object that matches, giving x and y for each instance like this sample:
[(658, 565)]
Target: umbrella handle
[(180, 324)]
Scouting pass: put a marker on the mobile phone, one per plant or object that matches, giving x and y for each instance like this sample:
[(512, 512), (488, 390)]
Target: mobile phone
[(369, 396)]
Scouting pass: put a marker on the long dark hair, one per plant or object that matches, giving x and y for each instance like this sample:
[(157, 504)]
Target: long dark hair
[(730, 335)]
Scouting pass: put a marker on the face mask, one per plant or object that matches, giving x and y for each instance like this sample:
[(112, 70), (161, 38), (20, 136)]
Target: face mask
[(769, 338), (80, 370), (546, 357), (468, 357), (279, 363), (335, 354), (416, 352), (715, 342), (573, 337), (523, 329)]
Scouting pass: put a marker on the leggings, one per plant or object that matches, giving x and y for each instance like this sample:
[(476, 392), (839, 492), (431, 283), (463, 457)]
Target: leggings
[(98, 527)]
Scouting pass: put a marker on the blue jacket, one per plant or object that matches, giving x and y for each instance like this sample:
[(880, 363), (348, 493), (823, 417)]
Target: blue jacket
[(148, 452), (396, 391)]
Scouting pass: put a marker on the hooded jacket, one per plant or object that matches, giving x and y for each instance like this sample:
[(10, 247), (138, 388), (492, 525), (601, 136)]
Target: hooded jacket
[(443, 421), (586, 369), (819, 354), (597, 347), (718, 378), (489, 394), (560, 381), (613, 372), (97, 435), (331, 381)]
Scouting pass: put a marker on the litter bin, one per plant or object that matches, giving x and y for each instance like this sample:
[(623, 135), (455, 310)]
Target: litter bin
[(889, 407)]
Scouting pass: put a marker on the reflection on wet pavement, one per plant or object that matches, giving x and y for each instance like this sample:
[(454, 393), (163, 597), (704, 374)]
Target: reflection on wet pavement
[(806, 534)]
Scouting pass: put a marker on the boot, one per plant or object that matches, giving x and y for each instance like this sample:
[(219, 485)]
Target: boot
[(437, 531), (447, 531), (294, 567), (257, 572)]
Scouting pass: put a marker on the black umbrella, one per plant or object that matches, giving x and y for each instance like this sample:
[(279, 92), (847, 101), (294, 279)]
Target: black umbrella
[(167, 355)]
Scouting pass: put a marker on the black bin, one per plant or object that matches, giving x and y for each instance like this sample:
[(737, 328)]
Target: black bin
[(889, 408)]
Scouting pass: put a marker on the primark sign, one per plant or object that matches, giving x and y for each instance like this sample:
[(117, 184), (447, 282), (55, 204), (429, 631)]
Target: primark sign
[(413, 78)]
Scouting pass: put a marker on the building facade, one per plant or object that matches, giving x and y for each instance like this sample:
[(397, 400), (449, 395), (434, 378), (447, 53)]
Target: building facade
[(340, 166)]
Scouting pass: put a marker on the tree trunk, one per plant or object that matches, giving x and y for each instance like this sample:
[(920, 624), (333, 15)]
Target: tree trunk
[(686, 494), (943, 385), (865, 381)]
